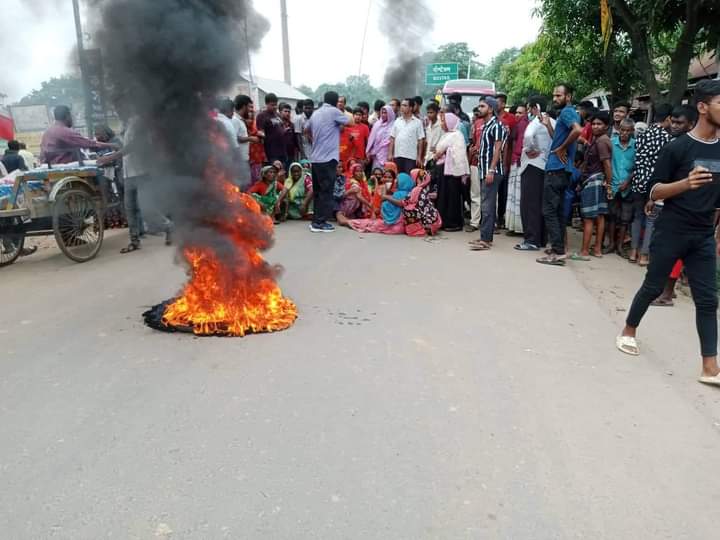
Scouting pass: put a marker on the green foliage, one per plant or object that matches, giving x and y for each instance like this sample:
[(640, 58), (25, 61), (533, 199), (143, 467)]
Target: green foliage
[(63, 90), (355, 89), (460, 53)]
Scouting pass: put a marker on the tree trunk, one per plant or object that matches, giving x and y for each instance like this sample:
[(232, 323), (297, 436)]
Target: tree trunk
[(638, 38), (683, 54)]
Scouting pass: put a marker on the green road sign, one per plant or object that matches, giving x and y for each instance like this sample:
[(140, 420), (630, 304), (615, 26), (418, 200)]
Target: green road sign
[(439, 74)]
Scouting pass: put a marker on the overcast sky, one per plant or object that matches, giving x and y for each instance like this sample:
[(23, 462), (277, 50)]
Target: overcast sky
[(37, 42)]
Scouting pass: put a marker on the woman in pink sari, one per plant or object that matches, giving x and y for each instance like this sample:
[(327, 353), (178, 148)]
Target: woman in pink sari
[(379, 141)]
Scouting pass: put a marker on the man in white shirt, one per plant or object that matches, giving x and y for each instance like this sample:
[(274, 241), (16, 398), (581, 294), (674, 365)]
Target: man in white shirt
[(304, 144), (406, 139), (536, 148), (242, 107)]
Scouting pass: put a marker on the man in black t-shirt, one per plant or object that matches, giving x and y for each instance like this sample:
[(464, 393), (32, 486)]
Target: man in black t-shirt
[(685, 228), (271, 124)]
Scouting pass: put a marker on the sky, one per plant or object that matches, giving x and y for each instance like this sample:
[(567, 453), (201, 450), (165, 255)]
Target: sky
[(322, 48)]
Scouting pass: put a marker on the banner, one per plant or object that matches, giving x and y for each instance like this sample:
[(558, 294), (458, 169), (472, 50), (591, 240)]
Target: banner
[(7, 129)]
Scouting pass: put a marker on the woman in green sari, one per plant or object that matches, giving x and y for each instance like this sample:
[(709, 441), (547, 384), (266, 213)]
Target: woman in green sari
[(296, 198), (265, 191)]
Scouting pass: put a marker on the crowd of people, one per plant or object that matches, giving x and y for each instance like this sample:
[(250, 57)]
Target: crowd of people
[(647, 193)]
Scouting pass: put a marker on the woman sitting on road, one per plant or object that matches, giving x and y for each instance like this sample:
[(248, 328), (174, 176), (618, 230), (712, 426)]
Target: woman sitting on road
[(296, 196), (420, 215), (266, 191), (391, 210), (355, 202)]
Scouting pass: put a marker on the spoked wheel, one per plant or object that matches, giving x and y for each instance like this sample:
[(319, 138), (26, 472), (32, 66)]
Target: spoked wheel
[(78, 224), (12, 241)]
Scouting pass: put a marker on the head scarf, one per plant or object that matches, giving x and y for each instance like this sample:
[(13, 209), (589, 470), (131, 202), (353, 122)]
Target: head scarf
[(380, 134), (265, 169), (391, 213), (362, 183), (304, 162), (390, 166), (451, 121)]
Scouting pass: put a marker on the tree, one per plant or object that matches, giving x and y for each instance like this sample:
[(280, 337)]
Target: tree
[(63, 90), (504, 57), (652, 42), (356, 88)]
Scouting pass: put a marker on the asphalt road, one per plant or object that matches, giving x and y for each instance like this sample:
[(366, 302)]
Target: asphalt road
[(424, 392)]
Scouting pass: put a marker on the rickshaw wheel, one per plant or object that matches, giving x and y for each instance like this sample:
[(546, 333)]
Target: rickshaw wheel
[(78, 224), (12, 241)]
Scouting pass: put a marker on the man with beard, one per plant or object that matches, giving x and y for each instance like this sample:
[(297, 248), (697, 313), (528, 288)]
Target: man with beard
[(242, 111), (691, 190), (557, 171)]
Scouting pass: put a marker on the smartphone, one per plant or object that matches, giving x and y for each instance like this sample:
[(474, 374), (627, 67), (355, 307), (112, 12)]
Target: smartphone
[(712, 165)]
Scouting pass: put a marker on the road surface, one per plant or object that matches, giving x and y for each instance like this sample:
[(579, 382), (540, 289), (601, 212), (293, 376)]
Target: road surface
[(425, 392)]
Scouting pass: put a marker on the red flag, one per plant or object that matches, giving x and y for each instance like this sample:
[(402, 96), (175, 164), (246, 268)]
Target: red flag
[(7, 128)]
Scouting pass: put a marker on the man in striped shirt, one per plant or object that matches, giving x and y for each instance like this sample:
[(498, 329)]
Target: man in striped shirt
[(490, 170)]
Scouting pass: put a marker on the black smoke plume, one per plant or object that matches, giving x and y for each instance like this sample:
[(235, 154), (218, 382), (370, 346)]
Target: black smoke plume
[(167, 61), (405, 24)]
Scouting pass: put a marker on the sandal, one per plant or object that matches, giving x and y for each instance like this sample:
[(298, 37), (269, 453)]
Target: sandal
[(551, 260), (28, 251), (662, 303), (130, 248), (480, 246), (628, 345), (578, 257), (712, 381)]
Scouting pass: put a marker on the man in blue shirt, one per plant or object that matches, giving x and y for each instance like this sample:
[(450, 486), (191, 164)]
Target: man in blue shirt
[(323, 130), (621, 205), (557, 171)]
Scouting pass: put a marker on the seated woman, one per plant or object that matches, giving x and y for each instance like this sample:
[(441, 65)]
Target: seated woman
[(356, 200), (420, 215), (375, 183), (266, 191), (295, 199), (392, 210)]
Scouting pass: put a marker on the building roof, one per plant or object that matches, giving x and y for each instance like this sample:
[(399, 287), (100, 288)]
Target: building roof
[(703, 66), (279, 88)]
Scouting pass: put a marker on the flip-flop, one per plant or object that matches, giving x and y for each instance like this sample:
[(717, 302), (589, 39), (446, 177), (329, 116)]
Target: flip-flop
[(597, 256), (578, 257), (526, 247), (130, 248), (712, 381), (551, 261), (662, 303), (480, 247), (628, 345)]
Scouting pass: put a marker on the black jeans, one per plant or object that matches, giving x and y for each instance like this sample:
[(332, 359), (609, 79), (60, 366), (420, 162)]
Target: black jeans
[(531, 202), (405, 165), (502, 195), (556, 182), (698, 252), (323, 177)]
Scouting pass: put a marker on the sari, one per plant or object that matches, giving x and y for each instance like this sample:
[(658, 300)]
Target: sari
[(256, 151), (392, 215), (379, 141), (420, 215), (266, 196), (351, 207), (297, 191)]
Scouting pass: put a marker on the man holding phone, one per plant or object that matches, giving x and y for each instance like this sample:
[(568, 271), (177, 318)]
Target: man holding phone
[(687, 178)]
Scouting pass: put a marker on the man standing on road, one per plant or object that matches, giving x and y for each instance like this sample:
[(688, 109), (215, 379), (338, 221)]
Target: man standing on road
[(342, 106), (685, 228), (291, 142), (557, 171), (242, 106), (323, 130), (301, 120), (270, 123), (647, 148), (490, 170), (406, 139)]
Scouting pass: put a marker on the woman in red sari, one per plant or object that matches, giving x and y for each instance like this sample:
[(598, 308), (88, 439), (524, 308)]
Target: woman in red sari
[(257, 150)]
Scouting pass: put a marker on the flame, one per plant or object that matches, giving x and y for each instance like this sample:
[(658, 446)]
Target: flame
[(235, 294)]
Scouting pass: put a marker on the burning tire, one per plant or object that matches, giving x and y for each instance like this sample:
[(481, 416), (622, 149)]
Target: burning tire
[(78, 224)]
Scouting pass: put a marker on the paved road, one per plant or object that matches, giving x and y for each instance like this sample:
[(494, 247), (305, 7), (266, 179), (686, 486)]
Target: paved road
[(425, 392)]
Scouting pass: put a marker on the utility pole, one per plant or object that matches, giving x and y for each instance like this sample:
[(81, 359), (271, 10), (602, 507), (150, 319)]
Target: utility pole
[(81, 60), (364, 38), (286, 42)]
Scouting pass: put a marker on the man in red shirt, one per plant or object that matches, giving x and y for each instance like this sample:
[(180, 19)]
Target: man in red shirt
[(354, 139)]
